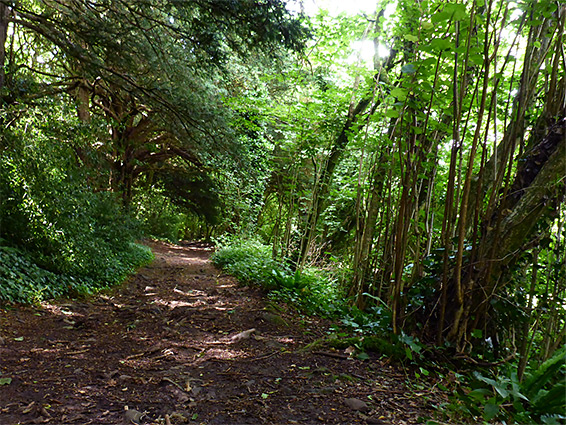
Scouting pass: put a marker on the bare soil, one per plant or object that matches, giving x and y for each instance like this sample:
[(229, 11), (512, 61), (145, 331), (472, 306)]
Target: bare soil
[(182, 343)]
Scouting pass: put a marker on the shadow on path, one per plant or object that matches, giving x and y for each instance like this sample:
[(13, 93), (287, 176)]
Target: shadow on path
[(182, 343)]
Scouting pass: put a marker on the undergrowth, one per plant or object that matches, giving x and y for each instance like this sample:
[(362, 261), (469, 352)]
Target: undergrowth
[(58, 235), (479, 396), (22, 280), (310, 291)]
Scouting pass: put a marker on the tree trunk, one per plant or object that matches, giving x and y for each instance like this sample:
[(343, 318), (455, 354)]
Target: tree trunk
[(539, 187), (322, 188), (4, 14), (364, 243)]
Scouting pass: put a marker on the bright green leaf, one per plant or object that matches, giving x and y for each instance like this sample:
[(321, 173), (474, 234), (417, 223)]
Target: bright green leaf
[(441, 16), (440, 44), (477, 333), (400, 93), (5, 381), (459, 12), (392, 113)]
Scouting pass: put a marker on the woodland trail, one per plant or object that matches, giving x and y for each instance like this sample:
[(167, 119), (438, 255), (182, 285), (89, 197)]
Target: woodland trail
[(172, 343)]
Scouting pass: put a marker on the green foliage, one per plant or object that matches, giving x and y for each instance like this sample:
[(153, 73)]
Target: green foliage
[(23, 281), (540, 398), (158, 215), (191, 190), (250, 261), (545, 386), (65, 229), (375, 319)]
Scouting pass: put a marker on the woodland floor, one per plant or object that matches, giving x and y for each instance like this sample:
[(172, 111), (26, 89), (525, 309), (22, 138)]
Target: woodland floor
[(169, 343)]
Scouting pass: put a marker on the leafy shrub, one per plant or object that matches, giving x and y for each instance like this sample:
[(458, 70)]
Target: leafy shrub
[(62, 228), (250, 261), (23, 281), (540, 398)]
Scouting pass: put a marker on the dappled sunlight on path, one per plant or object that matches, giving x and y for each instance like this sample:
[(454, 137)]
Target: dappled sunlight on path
[(182, 343)]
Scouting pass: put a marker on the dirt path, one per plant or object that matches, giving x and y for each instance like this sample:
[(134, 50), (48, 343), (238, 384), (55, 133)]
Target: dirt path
[(172, 343)]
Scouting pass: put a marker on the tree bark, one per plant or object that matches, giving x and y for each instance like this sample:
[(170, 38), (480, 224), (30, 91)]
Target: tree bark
[(4, 14), (539, 186), (516, 224)]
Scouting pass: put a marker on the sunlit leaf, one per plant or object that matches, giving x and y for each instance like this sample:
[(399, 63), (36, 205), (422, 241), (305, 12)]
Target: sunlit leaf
[(392, 113), (400, 93)]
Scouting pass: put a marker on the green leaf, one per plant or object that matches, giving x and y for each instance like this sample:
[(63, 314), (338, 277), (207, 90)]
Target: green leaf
[(440, 44), (544, 374), (476, 59), (392, 113), (479, 394), (400, 93), (19, 338), (477, 333), (408, 69), (459, 12), (441, 16), (5, 381), (490, 411), (410, 37), (501, 389), (264, 395)]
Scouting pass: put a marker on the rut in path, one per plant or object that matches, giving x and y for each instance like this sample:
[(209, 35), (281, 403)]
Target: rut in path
[(182, 342)]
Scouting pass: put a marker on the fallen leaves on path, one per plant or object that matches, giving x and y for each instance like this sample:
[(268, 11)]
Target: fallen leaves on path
[(182, 343)]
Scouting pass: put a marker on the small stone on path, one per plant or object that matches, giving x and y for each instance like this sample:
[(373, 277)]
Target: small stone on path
[(356, 404)]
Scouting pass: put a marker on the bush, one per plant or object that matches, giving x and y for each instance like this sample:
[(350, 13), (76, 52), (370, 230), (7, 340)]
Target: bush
[(23, 281), (250, 261), (69, 238), (539, 399)]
